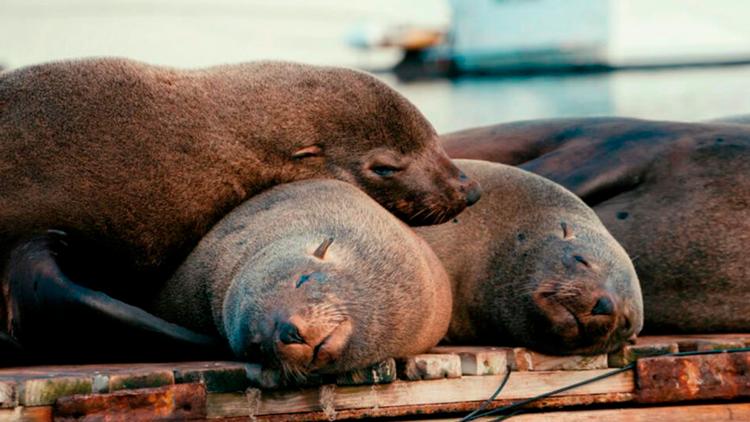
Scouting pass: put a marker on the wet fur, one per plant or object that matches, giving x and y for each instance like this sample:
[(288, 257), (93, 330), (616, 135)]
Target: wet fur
[(518, 241), (376, 272), (675, 195)]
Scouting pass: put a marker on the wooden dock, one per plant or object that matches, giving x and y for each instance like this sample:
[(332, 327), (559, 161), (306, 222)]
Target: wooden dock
[(673, 377)]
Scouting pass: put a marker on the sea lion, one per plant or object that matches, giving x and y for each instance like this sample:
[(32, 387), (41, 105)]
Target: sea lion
[(675, 195), (136, 162), (531, 265), (311, 276)]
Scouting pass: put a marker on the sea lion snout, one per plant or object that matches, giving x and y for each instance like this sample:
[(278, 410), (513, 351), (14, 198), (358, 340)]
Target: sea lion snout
[(310, 345), (471, 188), (423, 188), (297, 345), (466, 187), (577, 320), (588, 298)]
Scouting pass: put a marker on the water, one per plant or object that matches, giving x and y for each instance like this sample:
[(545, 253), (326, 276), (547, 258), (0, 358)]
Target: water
[(195, 33), (680, 94)]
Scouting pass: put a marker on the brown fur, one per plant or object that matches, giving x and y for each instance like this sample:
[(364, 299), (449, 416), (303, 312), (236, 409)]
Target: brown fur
[(675, 195), (528, 264), (138, 161), (378, 292)]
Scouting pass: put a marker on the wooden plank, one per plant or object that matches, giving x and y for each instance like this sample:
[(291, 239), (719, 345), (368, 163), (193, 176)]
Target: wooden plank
[(217, 377), (418, 393), (700, 413), (429, 366), (44, 391), (139, 378), (478, 360), (172, 402), (631, 353), (27, 414), (380, 373), (459, 408), (709, 345), (8, 394), (687, 342), (527, 360)]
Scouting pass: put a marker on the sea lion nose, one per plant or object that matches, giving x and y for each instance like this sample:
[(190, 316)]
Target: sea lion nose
[(603, 306), (473, 196), (289, 334), (470, 188)]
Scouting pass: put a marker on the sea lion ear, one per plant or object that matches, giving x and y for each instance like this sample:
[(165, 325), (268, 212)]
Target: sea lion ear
[(320, 252), (567, 231), (305, 152)]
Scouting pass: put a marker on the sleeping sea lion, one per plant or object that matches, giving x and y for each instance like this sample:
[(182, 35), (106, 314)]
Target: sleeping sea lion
[(675, 195), (311, 276), (137, 162), (531, 265)]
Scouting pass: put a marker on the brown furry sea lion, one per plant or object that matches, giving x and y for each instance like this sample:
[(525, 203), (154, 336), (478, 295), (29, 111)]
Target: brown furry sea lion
[(675, 195), (312, 276), (137, 162), (532, 265)]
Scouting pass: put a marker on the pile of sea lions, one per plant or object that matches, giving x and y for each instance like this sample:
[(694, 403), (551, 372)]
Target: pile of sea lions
[(675, 195), (268, 212)]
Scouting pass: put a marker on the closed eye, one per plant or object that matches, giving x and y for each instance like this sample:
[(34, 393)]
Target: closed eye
[(385, 171), (306, 152)]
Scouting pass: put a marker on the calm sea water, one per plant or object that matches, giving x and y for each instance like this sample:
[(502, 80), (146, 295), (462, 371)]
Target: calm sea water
[(194, 33)]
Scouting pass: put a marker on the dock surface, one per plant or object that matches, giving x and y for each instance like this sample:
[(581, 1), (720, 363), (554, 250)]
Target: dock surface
[(696, 377)]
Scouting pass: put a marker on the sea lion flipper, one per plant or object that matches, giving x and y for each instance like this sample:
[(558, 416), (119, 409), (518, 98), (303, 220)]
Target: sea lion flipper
[(42, 296)]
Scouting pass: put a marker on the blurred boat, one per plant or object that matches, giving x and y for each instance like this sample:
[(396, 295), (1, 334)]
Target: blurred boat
[(544, 36)]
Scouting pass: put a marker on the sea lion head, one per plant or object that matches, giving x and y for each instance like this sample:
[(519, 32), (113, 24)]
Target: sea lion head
[(348, 125), (329, 309), (299, 329), (533, 266), (581, 294)]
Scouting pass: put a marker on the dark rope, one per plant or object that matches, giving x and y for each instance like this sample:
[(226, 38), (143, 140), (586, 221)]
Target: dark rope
[(487, 402), (517, 405)]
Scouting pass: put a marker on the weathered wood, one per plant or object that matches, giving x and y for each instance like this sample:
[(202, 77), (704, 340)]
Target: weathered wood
[(172, 402), (709, 345), (44, 391), (419, 393), (478, 360), (688, 342), (631, 353), (429, 367), (527, 360), (263, 378), (8, 394), (218, 377), (380, 373), (140, 378), (459, 409), (664, 379), (699, 413), (27, 414), (696, 377)]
